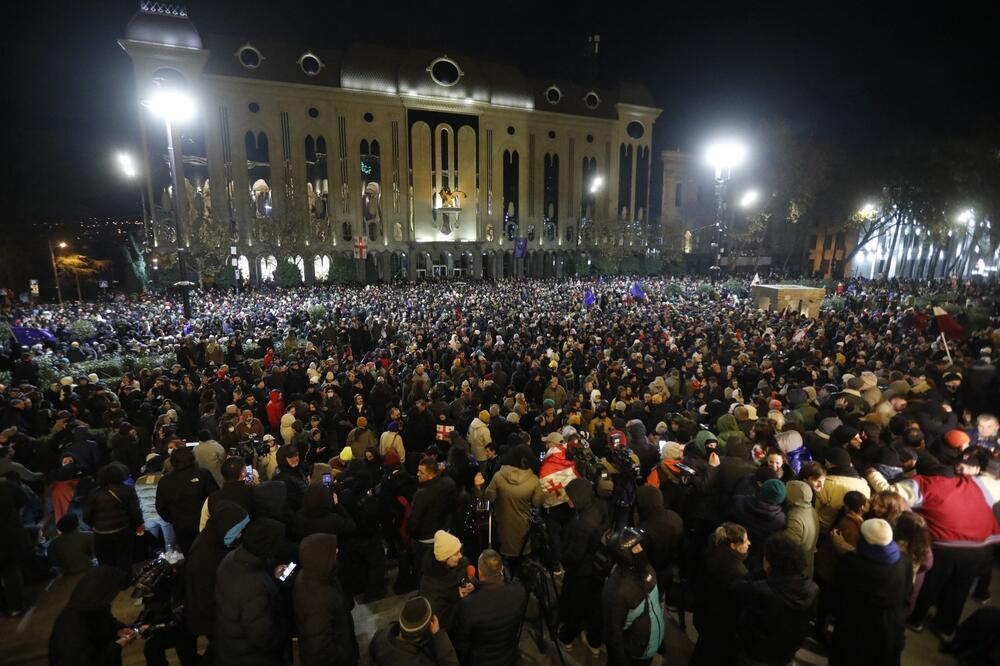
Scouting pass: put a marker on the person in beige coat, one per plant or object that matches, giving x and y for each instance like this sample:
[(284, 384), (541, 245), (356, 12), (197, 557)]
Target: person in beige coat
[(841, 478), (391, 440), (803, 521), (479, 435), (515, 490)]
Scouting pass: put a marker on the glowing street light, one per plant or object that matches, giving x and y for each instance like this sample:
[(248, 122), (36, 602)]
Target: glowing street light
[(967, 217), (868, 208), (55, 270), (171, 105), (127, 165), (749, 198), (596, 184), (724, 155)]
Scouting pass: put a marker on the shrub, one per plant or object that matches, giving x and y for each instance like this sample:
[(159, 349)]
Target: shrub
[(287, 274), (82, 329), (317, 313), (833, 303), (5, 332), (341, 269), (673, 289), (733, 285), (5, 377), (225, 278)]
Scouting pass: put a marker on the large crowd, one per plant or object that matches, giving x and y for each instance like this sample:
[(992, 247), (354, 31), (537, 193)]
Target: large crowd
[(583, 453)]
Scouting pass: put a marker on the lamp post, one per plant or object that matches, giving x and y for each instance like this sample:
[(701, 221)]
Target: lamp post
[(55, 270), (173, 105), (723, 156)]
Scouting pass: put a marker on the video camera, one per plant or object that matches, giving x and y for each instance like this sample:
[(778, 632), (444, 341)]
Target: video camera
[(155, 584)]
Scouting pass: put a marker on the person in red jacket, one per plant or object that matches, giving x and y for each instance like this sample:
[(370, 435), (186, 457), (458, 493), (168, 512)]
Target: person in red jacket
[(959, 514), (275, 410)]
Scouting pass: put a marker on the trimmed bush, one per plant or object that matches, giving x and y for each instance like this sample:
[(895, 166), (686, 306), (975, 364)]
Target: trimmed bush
[(833, 303), (287, 275), (82, 330), (317, 313)]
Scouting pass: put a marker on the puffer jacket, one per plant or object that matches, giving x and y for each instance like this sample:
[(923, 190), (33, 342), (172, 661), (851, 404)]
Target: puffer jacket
[(322, 610), (803, 521), (633, 618), (249, 627), (433, 505), (830, 499), (479, 436), (515, 492), (112, 508), (181, 492), (210, 547)]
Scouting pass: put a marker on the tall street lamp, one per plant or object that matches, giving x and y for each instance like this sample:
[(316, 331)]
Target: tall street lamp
[(723, 156), (173, 105), (55, 270)]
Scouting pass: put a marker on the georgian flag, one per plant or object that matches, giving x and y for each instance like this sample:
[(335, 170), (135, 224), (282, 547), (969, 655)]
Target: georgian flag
[(555, 474)]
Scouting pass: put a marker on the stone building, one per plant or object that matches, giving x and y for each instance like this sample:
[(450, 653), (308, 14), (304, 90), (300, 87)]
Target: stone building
[(437, 163)]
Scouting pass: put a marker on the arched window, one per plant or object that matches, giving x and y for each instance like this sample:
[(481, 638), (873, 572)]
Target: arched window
[(371, 189), (243, 266), (317, 178), (259, 174), (268, 264), (590, 186), (301, 265), (625, 181), (321, 267)]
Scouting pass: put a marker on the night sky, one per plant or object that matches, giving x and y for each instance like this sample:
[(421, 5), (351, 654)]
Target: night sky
[(847, 72)]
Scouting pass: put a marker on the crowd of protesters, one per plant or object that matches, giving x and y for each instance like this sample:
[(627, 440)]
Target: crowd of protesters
[(471, 446)]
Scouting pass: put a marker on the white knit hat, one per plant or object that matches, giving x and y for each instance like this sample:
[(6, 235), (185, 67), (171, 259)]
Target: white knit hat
[(877, 532)]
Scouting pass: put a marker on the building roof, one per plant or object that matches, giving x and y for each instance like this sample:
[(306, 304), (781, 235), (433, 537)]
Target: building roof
[(163, 23), (404, 71)]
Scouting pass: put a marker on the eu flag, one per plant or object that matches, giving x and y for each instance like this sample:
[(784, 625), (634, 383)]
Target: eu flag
[(637, 291), (32, 336), (589, 298), (520, 246)]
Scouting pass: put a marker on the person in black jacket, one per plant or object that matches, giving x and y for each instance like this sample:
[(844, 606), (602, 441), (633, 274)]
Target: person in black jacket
[(180, 494), (774, 613), (85, 631), (112, 511), (322, 610), (14, 544), (220, 535), (443, 571), (724, 564), (487, 621), (234, 487), (432, 506), (633, 618), (292, 474), (579, 603), (249, 624), (416, 640), (762, 516), (321, 513), (663, 531)]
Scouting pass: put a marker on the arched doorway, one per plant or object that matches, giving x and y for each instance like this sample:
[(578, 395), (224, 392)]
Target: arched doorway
[(507, 265)]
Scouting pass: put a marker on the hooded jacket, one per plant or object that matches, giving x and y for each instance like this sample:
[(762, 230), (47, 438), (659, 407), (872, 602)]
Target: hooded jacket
[(582, 535), (663, 528), (803, 521), (248, 619), (633, 619), (774, 616), (294, 478), (515, 492), (322, 610), (319, 515), (112, 507), (433, 504), (182, 491), (761, 519), (85, 631), (479, 437), (210, 547), (275, 409)]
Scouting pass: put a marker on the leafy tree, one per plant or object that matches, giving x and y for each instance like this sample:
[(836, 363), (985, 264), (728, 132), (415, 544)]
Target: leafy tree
[(341, 269), (80, 266), (287, 274), (225, 277)]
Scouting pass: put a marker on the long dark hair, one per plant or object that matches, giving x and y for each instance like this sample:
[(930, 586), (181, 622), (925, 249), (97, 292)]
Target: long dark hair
[(912, 528)]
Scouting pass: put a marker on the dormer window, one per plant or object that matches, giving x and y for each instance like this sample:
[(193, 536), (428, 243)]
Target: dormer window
[(249, 56), (445, 72)]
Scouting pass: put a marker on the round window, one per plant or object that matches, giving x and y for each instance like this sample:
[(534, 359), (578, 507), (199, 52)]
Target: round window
[(254, 107), (553, 95), (635, 129), (552, 134), (249, 56), (369, 117), (591, 100), (313, 112), (445, 71), (590, 138), (510, 129), (310, 64)]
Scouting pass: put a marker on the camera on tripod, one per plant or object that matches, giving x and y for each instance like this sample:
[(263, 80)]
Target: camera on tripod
[(154, 584)]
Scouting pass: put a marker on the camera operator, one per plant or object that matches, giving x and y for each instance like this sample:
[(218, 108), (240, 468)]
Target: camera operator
[(85, 631), (416, 640), (487, 621)]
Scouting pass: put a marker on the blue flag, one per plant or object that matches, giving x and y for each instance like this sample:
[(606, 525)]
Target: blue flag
[(188, 327), (32, 336), (637, 291), (589, 298), (520, 246)]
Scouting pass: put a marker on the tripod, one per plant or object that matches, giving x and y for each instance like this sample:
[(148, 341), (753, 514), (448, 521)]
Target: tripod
[(538, 581)]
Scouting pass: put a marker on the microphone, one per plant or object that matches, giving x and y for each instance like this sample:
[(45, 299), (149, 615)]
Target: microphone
[(470, 576)]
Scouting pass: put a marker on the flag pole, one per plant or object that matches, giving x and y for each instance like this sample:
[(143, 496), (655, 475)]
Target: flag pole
[(946, 350)]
